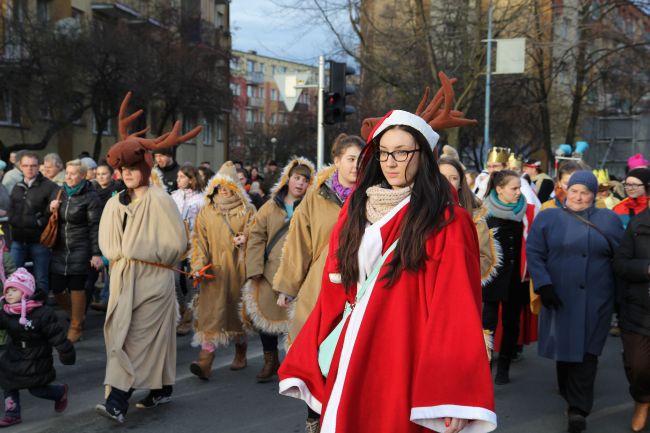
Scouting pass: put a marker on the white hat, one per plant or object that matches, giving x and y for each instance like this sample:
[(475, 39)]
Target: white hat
[(400, 117)]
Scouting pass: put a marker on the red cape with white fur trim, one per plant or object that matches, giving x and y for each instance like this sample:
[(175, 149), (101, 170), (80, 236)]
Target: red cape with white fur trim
[(410, 354)]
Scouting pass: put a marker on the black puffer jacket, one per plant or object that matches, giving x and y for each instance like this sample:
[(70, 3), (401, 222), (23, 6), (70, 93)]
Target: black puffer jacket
[(632, 265), (77, 241), (105, 194), (27, 360), (29, 208)]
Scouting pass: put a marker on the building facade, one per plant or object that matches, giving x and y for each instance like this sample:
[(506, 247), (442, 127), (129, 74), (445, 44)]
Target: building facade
[(261, 122), (199, 24)]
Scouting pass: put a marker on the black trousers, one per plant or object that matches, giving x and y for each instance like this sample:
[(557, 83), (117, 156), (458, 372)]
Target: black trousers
[(636, 361), (120, 399), (269, 342), (576, 383), (510, 316)]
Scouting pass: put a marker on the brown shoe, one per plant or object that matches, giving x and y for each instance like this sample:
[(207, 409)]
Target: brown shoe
[(640, 416), (78, 315), (203, 367), (185, 325), (270, 368), (239, 361)]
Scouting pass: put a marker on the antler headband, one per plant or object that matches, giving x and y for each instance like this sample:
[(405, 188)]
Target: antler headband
[(431, 112)]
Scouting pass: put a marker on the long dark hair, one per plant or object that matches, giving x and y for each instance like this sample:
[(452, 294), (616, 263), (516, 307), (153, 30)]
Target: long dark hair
[(465, 195), (430, 199)]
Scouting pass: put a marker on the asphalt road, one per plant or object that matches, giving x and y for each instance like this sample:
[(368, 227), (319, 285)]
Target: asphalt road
[(232, 402)]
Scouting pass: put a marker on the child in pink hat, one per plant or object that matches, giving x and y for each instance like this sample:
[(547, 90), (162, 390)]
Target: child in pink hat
[(27, 361)]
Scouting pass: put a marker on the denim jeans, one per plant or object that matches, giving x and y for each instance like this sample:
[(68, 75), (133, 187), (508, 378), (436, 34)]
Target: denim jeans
[(40, 256), (48, 392), (106, 289)]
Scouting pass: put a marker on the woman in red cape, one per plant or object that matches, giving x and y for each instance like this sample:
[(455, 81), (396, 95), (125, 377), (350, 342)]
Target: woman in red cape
[(403, 264)]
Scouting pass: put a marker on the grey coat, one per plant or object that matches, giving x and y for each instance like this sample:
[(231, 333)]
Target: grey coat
[(577, 260)]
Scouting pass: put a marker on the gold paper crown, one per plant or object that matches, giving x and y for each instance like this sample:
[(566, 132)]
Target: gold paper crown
[(516, 160), (603, 177), (498, 154)]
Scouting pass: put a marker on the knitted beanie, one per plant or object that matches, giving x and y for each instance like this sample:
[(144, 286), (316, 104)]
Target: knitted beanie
[(23, 281), (643, 174), (586, 178)]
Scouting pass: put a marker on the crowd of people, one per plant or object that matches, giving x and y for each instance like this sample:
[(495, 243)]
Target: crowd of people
[(395, 244)]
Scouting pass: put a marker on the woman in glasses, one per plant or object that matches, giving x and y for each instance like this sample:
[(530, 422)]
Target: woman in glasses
[(394, 343), (637, 195)]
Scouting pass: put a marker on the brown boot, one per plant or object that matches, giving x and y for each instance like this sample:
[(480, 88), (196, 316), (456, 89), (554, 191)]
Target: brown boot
[(640, 416), (270, 368), (78, 314), (203, 367), (185, 325), (63, 299), (239, 361)]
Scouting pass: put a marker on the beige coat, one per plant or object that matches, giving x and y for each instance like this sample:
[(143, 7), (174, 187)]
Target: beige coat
[(216, 306), (489, 248), (140, 326), (305, 250), (258, 298)]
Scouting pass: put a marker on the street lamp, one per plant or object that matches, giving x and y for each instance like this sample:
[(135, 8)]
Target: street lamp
[(273, 142)]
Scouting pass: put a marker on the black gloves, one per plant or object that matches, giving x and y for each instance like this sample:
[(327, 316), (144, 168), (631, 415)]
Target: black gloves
[(68, 357), (550, 299)]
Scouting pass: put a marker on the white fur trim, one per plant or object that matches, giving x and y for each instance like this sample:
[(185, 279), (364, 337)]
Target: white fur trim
[(400, 117), (249, 301), (296, 388), (335, 278), (433, 417), (221, 179), (284, 177), (156, 179), (498, 256)]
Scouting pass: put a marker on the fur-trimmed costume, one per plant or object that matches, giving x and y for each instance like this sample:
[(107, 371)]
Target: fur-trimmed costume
[(489, 248), (305, 249), (258, 297), (216, 307)]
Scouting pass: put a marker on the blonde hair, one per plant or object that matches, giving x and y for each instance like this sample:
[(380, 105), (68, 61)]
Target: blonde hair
[(83, 169)]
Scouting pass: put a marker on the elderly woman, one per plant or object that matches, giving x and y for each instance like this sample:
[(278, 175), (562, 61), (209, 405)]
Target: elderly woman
[(53, 168), (632, 264), (76, 249), (569, 254)]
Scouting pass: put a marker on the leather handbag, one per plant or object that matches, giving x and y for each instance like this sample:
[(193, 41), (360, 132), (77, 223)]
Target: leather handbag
[(48, 237)]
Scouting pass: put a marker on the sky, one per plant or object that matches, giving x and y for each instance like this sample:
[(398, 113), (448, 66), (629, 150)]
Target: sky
[(271, 30)]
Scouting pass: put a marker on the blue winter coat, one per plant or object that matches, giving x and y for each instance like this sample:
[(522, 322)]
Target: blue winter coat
[(576, 260)]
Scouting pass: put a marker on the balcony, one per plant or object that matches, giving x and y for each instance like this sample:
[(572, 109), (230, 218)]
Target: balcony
[(256, 102), (255, 77)]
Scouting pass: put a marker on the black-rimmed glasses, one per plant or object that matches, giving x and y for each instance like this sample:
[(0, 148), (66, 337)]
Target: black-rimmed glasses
[(398, 155), (632, 185)]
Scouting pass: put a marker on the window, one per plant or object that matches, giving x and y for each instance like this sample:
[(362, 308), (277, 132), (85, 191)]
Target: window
[(107, 129), (236, 114), (273, 69), (250, 116), (220, 129), (189, 123), (218, 14), (261, 67), (250, 91), (207, 131), (274, 95), (234, 63), (250, 66), (235, 89), (274, 119), (9, 109)]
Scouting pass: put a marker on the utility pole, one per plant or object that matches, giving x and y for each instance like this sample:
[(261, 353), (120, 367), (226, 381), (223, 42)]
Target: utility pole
[(488, 76), (320, 141)]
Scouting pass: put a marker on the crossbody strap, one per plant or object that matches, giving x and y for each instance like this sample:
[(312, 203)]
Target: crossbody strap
[(328, 346), (274, 240), (593, 226), (225, 219)]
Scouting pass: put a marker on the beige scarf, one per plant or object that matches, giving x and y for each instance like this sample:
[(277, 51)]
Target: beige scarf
[(225, 205), (383, 200)]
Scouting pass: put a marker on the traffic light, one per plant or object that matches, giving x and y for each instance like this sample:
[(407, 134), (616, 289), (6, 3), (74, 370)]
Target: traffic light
[(335, 107)]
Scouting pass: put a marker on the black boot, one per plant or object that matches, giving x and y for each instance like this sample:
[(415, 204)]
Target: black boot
[(503, 370)]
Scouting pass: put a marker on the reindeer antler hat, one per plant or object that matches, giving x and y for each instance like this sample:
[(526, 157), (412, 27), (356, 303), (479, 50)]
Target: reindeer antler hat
[(428, 117), (134, 150)]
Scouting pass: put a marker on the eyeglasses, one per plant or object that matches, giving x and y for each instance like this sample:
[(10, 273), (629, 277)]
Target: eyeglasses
[(632, 185), (398, 155)]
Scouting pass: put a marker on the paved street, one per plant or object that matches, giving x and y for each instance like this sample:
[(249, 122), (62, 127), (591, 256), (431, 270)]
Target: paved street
[(231, 402)]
